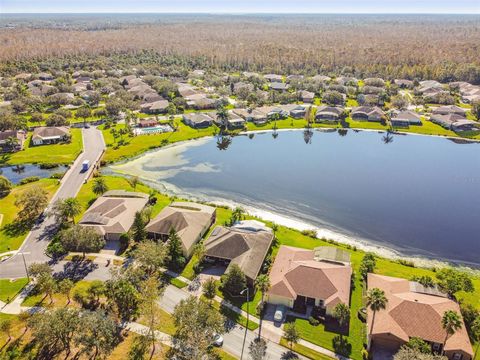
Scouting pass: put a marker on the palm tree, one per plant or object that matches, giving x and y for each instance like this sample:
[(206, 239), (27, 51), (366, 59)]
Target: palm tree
[(70, 208), (222, 115), (376, 300), (451, 322), (11, 142), (262, 283), (341, 312), (99, 186)]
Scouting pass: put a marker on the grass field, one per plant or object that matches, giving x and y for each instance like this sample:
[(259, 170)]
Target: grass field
[(11, 240), (303, 350), (318, 334), (47, 154), (139, 144), (10, 289)]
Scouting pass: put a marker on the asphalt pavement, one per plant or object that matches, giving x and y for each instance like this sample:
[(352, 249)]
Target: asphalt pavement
[(33, 248)]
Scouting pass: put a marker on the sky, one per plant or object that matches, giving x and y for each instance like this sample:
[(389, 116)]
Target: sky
[(241, 6)]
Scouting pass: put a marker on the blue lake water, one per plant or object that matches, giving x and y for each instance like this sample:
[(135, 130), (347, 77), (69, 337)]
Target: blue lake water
[(418, 195), (16, 173)]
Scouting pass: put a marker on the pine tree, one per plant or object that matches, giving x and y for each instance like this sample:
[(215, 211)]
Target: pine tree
[(174, 251)]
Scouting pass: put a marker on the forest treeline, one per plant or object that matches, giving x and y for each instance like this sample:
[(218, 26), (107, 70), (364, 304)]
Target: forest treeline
[(447, 49)]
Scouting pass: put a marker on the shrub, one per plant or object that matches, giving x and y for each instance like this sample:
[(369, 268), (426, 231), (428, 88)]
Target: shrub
[(362, 314), (406, 263), (48, 166), (55, 249), (28, 180), (313, 321), (310, 233), (57, 175)]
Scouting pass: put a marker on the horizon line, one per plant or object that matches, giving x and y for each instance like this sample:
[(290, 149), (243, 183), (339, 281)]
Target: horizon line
[(232, 13)]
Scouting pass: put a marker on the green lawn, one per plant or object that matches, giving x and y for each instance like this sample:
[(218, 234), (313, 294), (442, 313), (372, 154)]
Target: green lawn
[(286, 236), (305, 351), (34, 299), (427, 128), (369, 125), (10, 289), (10, 238), (139, 144), (47, 154)]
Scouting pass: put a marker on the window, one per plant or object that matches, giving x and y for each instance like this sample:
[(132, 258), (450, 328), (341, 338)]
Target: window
[(436, 346), (457, 356)]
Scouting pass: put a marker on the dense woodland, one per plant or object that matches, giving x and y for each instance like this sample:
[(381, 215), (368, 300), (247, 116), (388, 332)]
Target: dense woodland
[(445, 48)]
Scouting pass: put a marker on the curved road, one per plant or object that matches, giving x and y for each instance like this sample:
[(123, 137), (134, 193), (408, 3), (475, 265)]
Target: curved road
[(33, 248)]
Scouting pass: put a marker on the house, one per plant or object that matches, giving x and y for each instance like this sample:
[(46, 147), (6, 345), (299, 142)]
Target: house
[(294, 77), (306, 96), (367, 113), (273, 77), (414, 311), (453, 122), (274, 111), (155, 107), (190, 220), (298, 112), (113, 213), (197, 73), (403, 83), (240, 86), (405, 119), (328, 113), (234, 121), (200, 102), (253, 115), (301, 278), (45, 76), (186, 90), (346, 80), (148, 122), (197, 120), (449, 109), (50, 135), (18, 138), (246, 244), (279, 86), (321, 78)]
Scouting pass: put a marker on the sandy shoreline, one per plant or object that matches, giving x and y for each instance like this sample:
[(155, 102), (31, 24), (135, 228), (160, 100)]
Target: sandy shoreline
[(272, 215)]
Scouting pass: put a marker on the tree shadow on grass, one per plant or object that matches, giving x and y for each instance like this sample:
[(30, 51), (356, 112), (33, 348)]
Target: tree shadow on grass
[(17, 227)]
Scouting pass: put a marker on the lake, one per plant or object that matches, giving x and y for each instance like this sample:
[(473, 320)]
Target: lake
[(18, 172), (416, 195)]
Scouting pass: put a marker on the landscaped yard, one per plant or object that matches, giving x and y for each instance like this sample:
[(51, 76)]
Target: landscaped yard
[(47, 154), (305, 351), (86, 196), (11, 237), (138, 144), (10, 289)]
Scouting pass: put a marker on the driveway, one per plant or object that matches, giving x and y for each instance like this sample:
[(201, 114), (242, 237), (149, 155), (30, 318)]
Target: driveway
[(37, 240), (233, 339)]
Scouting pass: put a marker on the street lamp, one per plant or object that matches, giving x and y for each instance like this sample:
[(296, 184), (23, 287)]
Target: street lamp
[(25, 264), (246, 327)]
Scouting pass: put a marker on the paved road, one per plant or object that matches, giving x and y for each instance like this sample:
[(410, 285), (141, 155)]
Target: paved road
[(37, 240), (233, 339)]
